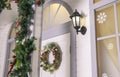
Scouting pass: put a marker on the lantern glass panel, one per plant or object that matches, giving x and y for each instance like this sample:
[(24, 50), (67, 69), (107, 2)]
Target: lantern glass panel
[(73, 20), (77, 20)]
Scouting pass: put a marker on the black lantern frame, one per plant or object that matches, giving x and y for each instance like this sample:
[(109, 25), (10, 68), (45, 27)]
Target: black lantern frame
[(76, 18)]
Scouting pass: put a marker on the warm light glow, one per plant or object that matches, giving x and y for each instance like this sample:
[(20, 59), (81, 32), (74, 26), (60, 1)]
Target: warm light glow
[(78, 20), (95, 1), (54, 15), (82, 21)]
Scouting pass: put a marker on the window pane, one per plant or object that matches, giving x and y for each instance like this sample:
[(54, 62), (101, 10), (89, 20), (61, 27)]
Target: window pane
[(95, 1), (61, 17), (118, 12), (54, 15), (105, 24), (108, 58), (54, 8)]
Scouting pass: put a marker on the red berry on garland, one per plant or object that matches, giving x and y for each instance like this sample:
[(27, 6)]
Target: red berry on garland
[(12, 65), (38, 2), (13, 56), (17, 33), (17, 23)]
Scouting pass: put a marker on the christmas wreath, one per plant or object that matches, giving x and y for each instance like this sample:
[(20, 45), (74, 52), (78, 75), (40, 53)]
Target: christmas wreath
[(55, 50)]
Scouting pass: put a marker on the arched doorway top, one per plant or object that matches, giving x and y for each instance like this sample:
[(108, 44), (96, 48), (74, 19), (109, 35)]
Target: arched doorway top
[(63, 3)]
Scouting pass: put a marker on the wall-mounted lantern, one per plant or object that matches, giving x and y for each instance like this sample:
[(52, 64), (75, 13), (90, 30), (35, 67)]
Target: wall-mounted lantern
[(76, 20)]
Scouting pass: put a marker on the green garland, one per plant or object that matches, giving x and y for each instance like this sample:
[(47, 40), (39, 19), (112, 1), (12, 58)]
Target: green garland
[(24, 45), (21, 65), (3, 4), (55, 49)]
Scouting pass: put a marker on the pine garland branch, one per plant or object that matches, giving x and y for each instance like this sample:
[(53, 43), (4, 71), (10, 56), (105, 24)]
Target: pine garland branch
[(24, 43)]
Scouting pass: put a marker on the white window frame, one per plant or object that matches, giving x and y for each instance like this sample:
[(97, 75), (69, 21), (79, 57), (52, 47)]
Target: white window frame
[(93, 7)]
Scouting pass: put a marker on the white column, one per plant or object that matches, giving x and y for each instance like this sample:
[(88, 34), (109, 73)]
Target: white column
[(4, 34), (37, 30)]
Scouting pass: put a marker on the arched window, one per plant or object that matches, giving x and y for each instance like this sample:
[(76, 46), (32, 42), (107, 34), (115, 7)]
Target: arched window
[(54, 15)]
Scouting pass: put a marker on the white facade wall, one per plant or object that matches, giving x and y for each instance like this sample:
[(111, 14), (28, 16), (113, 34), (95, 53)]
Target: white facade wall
[(83, 41), (84, 68)]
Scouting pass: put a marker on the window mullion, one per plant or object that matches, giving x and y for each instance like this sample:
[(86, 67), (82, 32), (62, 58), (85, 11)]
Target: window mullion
[(106, 37), (56, 13), (117, 32)]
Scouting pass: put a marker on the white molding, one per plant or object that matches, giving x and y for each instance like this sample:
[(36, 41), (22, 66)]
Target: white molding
[(93, 41), (102, 3)]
